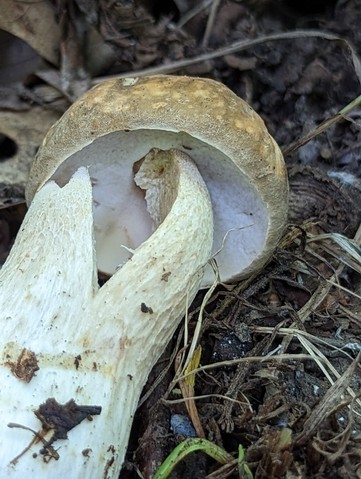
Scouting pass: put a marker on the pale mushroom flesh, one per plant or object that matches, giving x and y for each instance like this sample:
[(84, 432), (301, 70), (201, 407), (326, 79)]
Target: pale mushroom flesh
[(121, 219), (118, 122)]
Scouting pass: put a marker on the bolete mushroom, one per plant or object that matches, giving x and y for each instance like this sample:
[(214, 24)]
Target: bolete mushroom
[(118, 122), (72, 351)]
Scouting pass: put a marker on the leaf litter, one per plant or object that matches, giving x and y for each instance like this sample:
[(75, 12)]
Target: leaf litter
[(270, 364)]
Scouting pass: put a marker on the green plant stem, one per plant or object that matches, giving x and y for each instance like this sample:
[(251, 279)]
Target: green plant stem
[(185, 448)]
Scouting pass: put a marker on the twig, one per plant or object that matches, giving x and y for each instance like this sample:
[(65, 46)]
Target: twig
[(236, 47), (210, 23), (323, 126)]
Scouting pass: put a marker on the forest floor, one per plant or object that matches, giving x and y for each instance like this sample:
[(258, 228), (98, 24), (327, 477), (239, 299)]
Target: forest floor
[(279, 363)]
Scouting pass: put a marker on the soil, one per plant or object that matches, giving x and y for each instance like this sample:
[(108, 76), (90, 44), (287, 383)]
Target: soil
[(279, 353)]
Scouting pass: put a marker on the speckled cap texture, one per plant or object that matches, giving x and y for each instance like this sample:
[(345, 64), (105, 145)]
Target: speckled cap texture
[(202, 108)]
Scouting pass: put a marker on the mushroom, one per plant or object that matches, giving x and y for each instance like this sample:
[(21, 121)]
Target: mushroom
[(118, 122), (145, 179)]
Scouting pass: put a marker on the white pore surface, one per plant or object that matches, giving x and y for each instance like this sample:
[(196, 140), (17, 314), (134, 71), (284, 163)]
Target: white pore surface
[(120, 214)]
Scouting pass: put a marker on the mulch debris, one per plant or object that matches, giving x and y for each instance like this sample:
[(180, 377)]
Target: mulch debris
[(278, 369)]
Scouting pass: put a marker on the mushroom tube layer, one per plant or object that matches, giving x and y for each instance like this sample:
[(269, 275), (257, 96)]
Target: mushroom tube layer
[(118, 122)]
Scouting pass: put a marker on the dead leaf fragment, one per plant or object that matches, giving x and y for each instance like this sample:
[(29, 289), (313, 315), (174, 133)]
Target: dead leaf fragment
[(26, 131), (26, 366), (35, 23)]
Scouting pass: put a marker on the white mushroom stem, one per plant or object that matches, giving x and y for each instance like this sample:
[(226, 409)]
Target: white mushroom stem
[(95, 347)]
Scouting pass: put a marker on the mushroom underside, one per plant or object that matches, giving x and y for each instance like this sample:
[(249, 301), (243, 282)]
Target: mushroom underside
[(121, 219)]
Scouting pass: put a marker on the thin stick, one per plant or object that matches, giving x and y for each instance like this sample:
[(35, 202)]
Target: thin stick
[(323, 126), (235, 47), (210, 23)]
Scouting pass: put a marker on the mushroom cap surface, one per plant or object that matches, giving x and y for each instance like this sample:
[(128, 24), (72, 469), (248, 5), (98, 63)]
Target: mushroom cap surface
[(118, 122)]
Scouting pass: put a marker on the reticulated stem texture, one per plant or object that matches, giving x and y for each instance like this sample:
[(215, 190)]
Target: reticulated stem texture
[(91, 350)]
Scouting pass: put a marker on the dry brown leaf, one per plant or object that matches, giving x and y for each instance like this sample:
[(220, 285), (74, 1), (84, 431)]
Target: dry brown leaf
[(26, 130), (35, 23)]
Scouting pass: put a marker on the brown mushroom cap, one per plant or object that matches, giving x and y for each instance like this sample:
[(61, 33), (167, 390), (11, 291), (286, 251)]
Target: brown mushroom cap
[(118, 122)]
